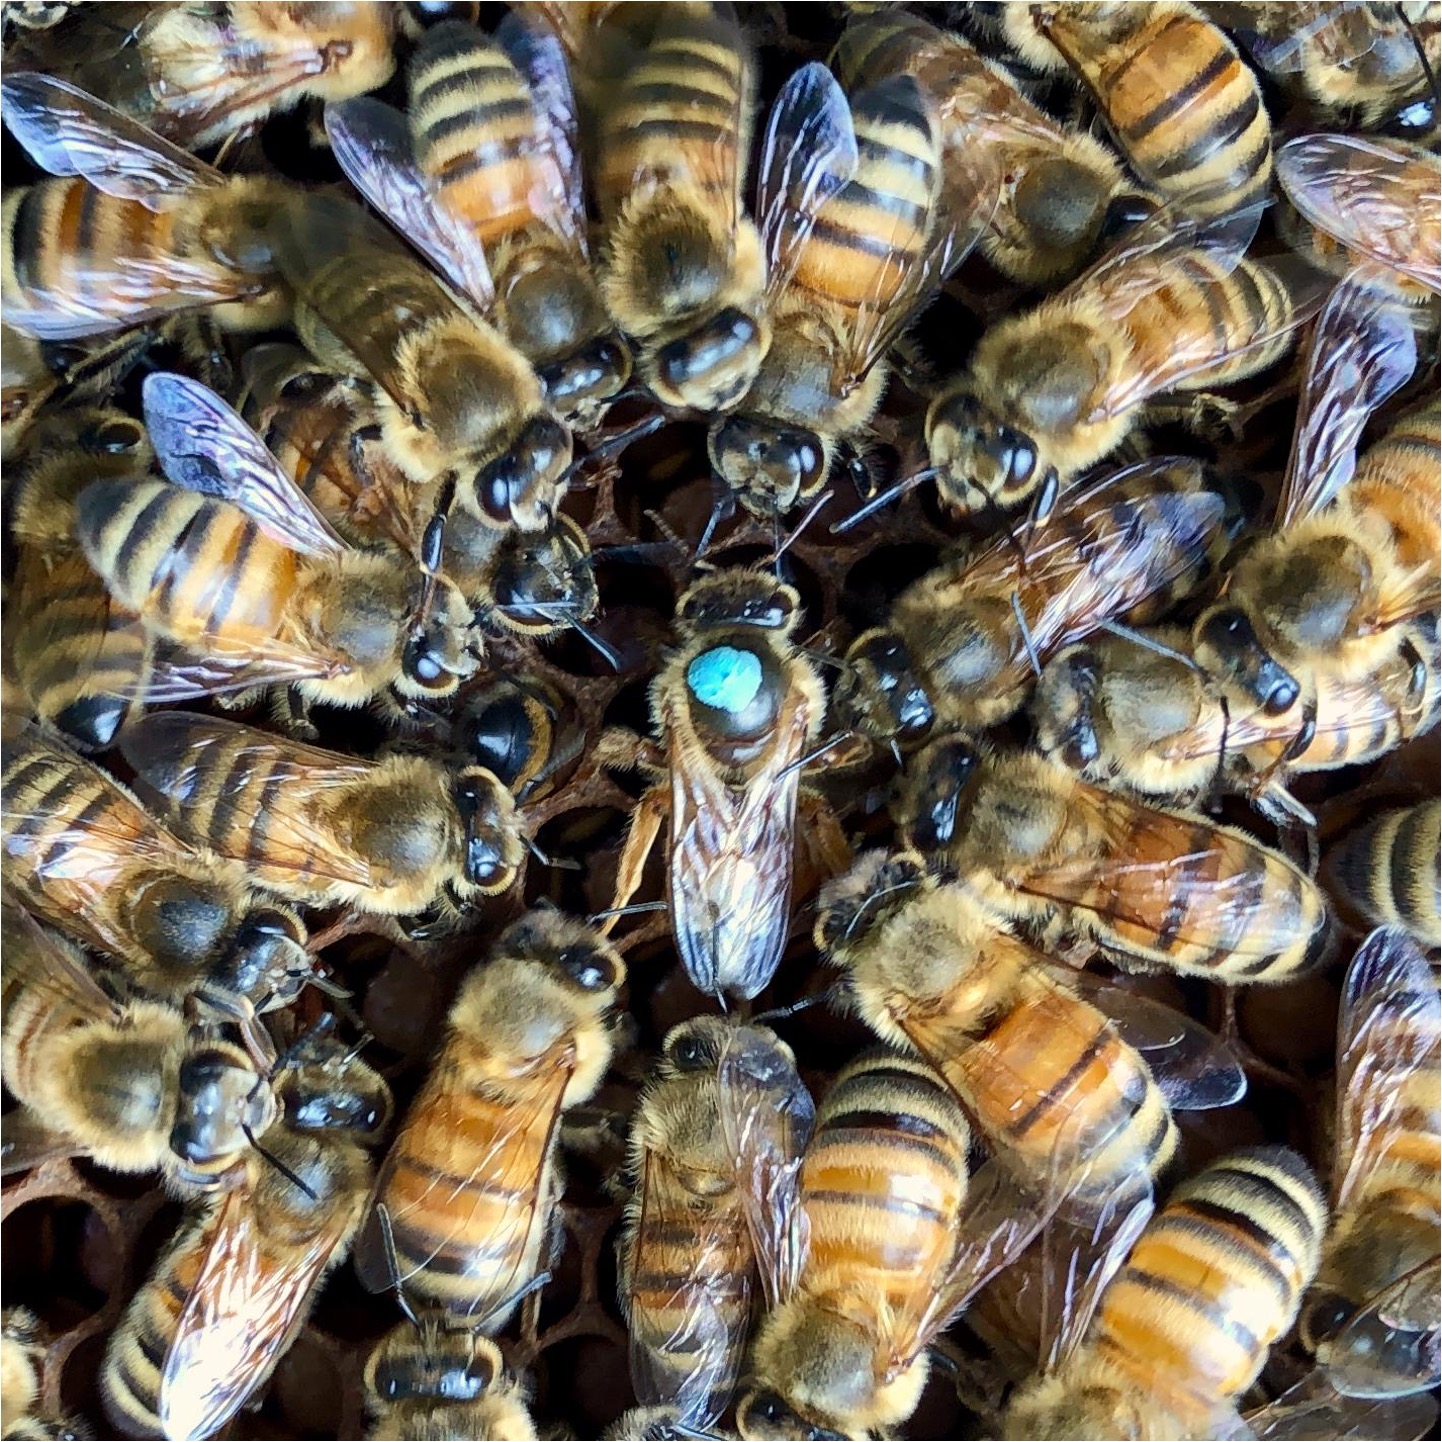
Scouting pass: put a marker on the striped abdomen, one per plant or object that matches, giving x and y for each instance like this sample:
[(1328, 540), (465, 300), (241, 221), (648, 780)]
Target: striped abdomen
[(1185, 109), (1389, 872), (1056, 1089), (468, 1185), (1396, 479), (883, 1180), (191, 566), (1216, 1277), (869, 238)]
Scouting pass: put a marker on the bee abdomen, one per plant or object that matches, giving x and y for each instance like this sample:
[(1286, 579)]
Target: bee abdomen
[(1390, 872)]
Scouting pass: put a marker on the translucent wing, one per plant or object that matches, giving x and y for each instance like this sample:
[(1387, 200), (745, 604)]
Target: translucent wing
[(1314, 1411), (1390, 1347), (38, 960), (766, 1117), (204, 446), (69, 132), (807, 155), (372, 144), (29, 1142), (1380, 198), (175, 672), (1363, 351)]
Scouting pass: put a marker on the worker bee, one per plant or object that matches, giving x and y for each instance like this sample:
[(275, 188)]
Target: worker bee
[(1378, 199), (1052, 390), (392, 836), (1182, 1330), (900, 1236), (470, 1185), (1065, 1092), (735, 706), (1152, 888), (667, 92), (1350, 555), (85, 856), (198, 73), (133, 230), (1372, 1319), (1181, 103), (1060, 181), (964, 643), (121, 1079), (1137, 711), (224, 1303), (489, 157), (1387, 871), (22, 1351), (716, 1151)]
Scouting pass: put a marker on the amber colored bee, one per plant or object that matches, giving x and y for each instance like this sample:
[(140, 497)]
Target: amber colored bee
[(899, 1237), (1049, 391), (1060, 180), (1355, 544), (85, 856), (1387, 871), (1372, 1318), (198, 73), (133, 230), (488, 155), (715, 1149), (1063, 1090), (1184, 108), (1160, 889), (735, 707), (121, 1079), (1184, 1327), (1378, 199), (22, 1351), (962, 644), (226, 1300), (391, 836), (1137, 711), (472, 1178)]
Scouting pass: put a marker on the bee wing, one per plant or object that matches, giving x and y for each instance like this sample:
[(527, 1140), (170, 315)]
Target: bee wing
[(1314, 1411), (1379, 200), (1363, 351), (1389, 1026), (172, 672), (807, 156), (1194, 1070), (1390, 1347), (766, 1117), (169, 751), (203, 445), (240, 1317), (372, 145), (30, 1143), (67, 131)]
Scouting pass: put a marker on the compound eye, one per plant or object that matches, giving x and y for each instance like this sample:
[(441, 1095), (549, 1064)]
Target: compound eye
[(689, 1053), (497, 486), (590, 969), (113, 438), (1016, 454)]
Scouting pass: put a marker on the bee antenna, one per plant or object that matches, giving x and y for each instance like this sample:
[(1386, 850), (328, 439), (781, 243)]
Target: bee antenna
[(1418, 46), (507, 1302), (635, 908), (801, 525), (723, 507), (275, 1161), (557, 862), (802, 762), (393, 1266), (598, 644), (1150, 643), (892, 493), (1026, 636), (780, 1013)]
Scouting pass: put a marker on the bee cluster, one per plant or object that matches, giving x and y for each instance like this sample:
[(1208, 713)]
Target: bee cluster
[(721, 721)]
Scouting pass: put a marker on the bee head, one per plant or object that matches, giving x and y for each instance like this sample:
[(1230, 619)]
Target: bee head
[(979, 461), (492, 830), (770, 466), (1227, 644), (879, 695), (518, 488)]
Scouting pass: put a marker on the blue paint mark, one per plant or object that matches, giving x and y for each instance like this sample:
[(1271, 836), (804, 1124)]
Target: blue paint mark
[(724, 678)]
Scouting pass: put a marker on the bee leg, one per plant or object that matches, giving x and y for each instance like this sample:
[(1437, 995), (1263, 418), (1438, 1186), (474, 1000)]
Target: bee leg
[(820, 836), (598, 1134), (645, 828), (1213, 417), (620, 749), (292, 715)]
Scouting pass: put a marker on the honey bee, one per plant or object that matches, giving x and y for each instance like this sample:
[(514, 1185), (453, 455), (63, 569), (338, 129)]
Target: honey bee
[(964, 643), (1388, 873), (86, 857), (1137, 711), (522, 731), (716, 1151), (1184, 1327), (224, 1303), (22, 1351), (491, 145), (198, 73), (1372, 1318), (123, 1080), (900, 1236), (1152, 888), (1378, 199), (134, 229), (1181, 103), (735, 706), (669, 91), (1065, 1093), (1354, 545), (1175, 306), (1060, 180), (471, 1181), (391, 836)]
